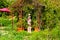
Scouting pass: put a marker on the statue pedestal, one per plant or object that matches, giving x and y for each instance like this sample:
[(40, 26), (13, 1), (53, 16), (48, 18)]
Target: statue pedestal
[(29, 29)]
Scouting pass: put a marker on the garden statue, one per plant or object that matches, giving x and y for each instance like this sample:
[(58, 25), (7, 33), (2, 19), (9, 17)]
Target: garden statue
[(29, 23)]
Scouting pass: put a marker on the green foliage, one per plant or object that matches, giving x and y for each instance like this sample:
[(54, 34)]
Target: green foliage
[(5, 21), (50, 18), (50, 15), (42, 35), (5, 3)]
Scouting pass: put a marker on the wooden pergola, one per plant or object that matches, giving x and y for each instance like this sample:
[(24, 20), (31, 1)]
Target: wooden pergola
[(20, 4)]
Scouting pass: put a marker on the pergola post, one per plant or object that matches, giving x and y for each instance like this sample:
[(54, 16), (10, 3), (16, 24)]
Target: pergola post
[(39, 7), (20, 17)]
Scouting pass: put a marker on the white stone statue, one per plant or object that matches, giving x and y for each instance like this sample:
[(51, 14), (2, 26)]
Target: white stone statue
[(29, 23)]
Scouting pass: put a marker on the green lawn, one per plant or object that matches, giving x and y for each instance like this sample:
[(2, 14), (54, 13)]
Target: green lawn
[(24, 35), (9, 34)]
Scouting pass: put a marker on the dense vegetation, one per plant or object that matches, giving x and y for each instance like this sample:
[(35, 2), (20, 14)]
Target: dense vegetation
[(49, 20)]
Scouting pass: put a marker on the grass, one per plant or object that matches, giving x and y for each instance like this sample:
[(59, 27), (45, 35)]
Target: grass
[(24, 35), (9, 34)]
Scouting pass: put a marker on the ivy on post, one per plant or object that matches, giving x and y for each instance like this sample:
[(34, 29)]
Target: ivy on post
[(38, 8), (38, 15), (17, 7)]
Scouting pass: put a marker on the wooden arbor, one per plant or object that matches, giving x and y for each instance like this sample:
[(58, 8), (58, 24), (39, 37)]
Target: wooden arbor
[(18, 7)]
